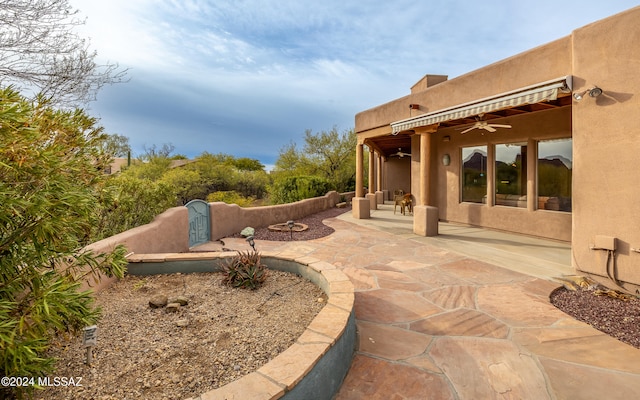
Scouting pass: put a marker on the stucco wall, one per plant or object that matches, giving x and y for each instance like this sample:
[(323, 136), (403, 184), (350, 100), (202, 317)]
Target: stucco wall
[(606, 143), (551, 61), (167, 233), (551, 124), (227, 219)]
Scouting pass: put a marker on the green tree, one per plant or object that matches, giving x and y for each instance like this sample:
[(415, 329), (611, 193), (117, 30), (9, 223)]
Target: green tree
[(327, 155), (332, 156), (117, 146), (50, 166)]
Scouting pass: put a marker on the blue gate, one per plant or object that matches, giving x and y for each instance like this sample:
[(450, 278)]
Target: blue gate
[(199, 229)]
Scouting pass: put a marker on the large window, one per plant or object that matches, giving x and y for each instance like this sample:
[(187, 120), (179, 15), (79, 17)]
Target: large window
[(474, 174), (555, 158), (511, 175)]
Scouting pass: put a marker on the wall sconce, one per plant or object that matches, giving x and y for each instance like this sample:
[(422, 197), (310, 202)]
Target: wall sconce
[(446, 138), (593, 92), (446, 160), (414, 106)]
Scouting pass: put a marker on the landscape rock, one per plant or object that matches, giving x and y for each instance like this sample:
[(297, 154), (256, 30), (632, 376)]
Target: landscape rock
[(173, 307), (182, 300), (182, 323), (158, 301), (248, 231)]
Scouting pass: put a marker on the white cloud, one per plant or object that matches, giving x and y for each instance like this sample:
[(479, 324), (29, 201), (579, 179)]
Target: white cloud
[(272, 68)]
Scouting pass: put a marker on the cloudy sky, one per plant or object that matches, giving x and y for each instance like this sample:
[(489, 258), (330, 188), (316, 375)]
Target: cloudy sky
[(246, 77)]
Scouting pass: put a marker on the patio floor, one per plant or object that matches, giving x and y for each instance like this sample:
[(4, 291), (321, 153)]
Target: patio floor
[(465, 315)]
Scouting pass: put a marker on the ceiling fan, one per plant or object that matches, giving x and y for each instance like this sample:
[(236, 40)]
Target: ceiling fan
[(400, 154), (481, 124)]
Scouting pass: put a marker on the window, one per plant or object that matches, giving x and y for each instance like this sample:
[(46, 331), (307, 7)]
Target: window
[(511, 175), (555, 159), (474, 174)]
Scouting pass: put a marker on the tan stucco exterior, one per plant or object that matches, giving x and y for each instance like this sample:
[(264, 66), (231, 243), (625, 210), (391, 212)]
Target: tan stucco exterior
[(605, 133)]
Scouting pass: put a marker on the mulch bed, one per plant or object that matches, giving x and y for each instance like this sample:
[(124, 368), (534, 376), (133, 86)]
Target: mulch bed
[(314, 221)]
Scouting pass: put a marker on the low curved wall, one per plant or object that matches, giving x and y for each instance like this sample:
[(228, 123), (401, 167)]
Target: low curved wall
[(316, 364), (227, 219)]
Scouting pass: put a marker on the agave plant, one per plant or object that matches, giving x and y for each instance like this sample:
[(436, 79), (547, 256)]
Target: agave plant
[(244, 270)]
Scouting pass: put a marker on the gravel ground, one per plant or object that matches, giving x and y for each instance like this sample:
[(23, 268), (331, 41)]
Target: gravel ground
[(316, 228), (613, 316), (221, 335)]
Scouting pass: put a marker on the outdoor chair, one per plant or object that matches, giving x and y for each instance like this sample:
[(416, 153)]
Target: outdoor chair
[(397, 199)]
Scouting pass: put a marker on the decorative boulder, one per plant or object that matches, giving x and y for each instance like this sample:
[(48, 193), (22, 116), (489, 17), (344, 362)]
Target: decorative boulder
[(158, 301), (248, 231)]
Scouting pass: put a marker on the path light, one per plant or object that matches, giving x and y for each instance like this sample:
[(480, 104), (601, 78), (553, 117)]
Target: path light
[(251, 242), (291, 224)]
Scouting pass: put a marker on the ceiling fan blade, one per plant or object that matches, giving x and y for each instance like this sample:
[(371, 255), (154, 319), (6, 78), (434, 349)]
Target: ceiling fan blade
[(500, 125), (489, 128), (469, 129)]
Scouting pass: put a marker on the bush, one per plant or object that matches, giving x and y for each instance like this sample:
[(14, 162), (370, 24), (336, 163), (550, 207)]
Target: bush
[(244, 271), (51, 170), (294, 188), (231, 197)]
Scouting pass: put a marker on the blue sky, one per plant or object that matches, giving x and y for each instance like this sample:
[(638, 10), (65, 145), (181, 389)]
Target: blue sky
[(247, 77)]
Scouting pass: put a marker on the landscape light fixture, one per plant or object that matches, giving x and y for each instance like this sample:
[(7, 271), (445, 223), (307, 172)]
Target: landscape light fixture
[(251, 242), (593, 92), (291, 224)]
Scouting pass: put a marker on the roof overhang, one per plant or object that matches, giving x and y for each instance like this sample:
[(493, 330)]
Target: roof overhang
[(541, 92)]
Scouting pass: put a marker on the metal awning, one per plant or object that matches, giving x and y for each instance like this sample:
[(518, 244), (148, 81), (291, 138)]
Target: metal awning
[(544, 91)]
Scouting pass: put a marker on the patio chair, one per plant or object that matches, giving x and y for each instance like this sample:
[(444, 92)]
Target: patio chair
[(398, 194), (406, 204)]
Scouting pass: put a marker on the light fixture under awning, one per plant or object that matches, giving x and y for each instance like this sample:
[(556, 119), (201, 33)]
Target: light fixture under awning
[(545, 91)]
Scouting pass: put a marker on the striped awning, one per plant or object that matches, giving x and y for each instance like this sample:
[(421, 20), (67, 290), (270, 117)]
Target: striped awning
[(545, 91)]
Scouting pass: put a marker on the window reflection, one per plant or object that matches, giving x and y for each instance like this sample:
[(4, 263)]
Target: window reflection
[(555, 159), (474, 174), (511, 175)]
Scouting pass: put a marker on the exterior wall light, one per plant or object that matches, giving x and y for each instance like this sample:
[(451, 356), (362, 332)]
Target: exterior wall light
[(593, 92), (446, 160)]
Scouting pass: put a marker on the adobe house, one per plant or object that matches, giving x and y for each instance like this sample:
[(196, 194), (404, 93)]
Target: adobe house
[(545, 143)]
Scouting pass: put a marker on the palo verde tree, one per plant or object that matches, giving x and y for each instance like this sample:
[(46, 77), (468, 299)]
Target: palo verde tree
[(51, 168), (326, 162), (40, 52)]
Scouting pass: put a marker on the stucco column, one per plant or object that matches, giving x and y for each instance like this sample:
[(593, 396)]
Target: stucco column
[(359, 170), (372, 171), (425, 169), (379, 193), (360, 208), (371, 195), (425, 217)]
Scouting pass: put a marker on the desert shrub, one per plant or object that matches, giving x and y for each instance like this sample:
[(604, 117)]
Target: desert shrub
[(244, 270), (293, 188), (51, 169), (231, 197)]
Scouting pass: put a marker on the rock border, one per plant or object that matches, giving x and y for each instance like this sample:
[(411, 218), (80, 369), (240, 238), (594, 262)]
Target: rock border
[(316, 364)]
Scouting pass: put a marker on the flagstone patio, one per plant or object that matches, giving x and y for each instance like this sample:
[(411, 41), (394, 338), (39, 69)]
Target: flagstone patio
[(465, 315)]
